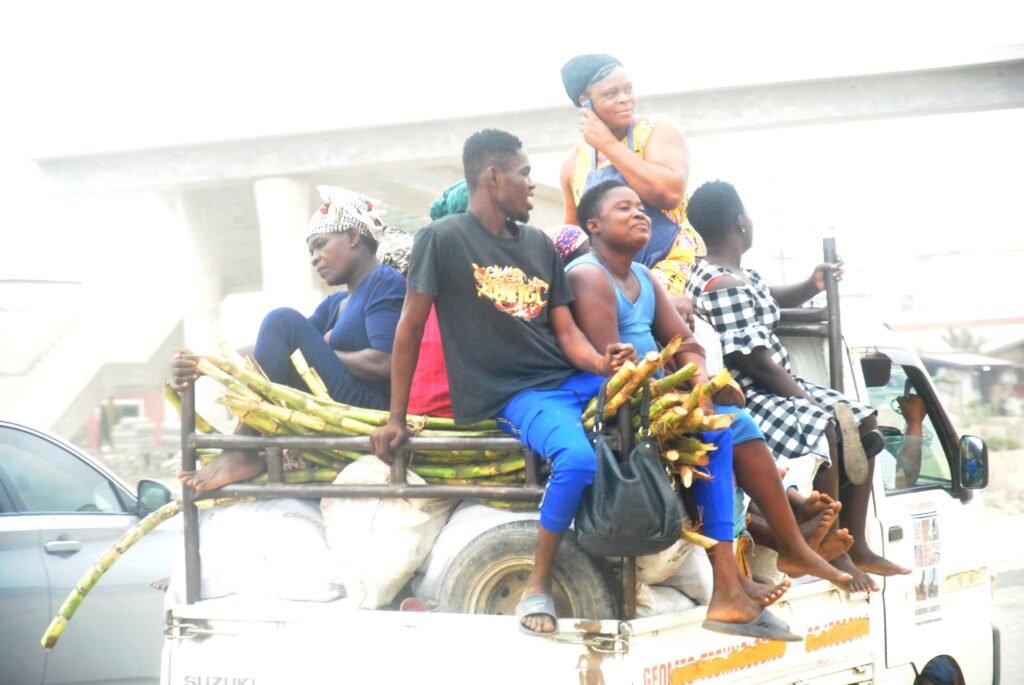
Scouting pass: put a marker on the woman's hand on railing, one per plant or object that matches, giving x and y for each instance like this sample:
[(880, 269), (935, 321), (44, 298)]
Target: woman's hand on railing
[(184, 370)]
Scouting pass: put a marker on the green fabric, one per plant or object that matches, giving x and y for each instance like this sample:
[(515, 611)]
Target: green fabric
[(454, 200)]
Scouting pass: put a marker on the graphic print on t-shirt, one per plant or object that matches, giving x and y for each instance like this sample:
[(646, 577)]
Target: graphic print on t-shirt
[(510, 291)]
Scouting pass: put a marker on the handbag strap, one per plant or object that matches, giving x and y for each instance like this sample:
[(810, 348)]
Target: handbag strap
[(599, 419), (645, 411)]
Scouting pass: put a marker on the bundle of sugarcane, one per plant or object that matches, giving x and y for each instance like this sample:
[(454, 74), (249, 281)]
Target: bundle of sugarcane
[(675, 417), (276, 409)]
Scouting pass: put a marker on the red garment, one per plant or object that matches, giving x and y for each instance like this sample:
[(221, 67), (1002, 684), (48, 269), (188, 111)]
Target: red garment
[(429, 395)]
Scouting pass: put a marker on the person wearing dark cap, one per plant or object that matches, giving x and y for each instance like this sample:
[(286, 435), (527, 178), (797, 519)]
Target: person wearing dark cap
[(648, 154)]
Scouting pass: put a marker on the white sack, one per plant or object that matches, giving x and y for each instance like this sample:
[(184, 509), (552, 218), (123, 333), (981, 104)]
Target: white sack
[(377, 544)]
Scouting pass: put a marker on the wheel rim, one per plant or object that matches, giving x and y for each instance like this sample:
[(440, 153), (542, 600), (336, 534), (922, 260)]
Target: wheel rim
[(501, 586)]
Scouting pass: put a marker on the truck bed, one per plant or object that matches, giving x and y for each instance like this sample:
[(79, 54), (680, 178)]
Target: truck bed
[(236, 640)]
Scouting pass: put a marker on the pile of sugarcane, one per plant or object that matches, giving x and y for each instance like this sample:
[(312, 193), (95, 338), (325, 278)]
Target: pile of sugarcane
[(276, 409)]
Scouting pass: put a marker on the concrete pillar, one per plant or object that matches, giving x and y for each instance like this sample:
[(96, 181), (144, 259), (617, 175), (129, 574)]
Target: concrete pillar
[(283, 207), (200, 279)]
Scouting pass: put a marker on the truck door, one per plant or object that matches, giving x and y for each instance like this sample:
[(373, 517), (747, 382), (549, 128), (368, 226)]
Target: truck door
[(944, 605)]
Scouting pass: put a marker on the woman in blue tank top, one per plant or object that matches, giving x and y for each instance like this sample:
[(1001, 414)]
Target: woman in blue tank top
[(619, 300)]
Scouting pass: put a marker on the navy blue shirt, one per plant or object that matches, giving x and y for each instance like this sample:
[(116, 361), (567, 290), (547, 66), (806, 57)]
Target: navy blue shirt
[(369, 318)]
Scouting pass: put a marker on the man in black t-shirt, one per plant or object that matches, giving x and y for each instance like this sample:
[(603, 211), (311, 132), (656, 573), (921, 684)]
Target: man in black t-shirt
[(510, 343)]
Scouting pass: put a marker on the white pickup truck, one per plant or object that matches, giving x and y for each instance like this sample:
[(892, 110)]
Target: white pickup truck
[(938, 615)]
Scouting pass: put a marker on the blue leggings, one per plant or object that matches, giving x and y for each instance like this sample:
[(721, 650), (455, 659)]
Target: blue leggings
[(548, 421), (285, 330)]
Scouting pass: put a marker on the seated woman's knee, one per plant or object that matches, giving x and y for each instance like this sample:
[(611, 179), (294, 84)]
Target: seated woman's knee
[(282, 316)]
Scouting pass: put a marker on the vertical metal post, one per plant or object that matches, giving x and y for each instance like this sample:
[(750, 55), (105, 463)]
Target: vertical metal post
[(188, 509), (531, 468), (275, 464), (398, 464), (628, 609), (835, 329)]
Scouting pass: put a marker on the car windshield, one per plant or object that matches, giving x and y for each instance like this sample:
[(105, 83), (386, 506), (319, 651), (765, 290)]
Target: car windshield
[(43, 477)]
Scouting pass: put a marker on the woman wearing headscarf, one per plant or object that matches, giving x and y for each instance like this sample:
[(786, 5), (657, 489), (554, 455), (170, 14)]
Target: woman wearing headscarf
[(648, 154), (348, 338)]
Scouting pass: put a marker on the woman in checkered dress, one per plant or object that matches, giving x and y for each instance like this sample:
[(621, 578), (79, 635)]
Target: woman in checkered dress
[(796, 416)]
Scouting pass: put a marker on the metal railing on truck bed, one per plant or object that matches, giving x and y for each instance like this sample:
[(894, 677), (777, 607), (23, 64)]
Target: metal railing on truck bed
[(822, 322)]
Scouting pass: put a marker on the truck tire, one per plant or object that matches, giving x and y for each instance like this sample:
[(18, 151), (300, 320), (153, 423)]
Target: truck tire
[(489, 574)]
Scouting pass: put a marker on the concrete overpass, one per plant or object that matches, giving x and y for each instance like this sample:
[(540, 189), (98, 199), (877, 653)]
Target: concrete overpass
[(243, 204)]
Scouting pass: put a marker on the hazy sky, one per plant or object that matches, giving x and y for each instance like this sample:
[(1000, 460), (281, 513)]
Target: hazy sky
[(84, 77), (103, 74)]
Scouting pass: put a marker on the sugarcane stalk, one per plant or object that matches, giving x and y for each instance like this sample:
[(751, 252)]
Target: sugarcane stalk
[(504, 479), (673, 380), (669, 350), (658, 407), (324, 475), (207, 367), (453, 457), (691, 535), (511, 506), (472, 470), (614, 385), (172, 396), (687, 458), (647, 367), (93, 574), (309, 375), (717, 422)]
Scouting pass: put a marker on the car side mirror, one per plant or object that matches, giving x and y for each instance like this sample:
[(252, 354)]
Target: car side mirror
[(972, 463), (151, 496)]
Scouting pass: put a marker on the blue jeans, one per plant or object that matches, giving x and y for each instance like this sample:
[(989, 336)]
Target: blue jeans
[(285, 330)]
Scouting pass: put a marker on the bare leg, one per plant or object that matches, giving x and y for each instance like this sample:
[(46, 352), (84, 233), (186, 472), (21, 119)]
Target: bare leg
[(756, 474), (854, 516), (539, 581), (729, 601), (827, 482)]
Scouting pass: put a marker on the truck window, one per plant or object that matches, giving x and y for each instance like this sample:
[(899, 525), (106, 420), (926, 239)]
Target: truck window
[(914, 456)]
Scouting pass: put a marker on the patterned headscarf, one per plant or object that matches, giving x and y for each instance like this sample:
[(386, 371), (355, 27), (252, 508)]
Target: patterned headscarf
[(568, 240), (343, 211)]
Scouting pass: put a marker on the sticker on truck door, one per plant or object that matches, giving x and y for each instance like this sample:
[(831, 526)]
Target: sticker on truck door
[(927, 559)]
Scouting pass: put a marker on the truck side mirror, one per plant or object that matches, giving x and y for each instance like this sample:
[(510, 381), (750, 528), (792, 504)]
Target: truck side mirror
[(972, 463), (151, 496)]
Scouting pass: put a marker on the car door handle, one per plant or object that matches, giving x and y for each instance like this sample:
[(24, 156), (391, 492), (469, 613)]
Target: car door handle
[(62, 546), (895, 533)]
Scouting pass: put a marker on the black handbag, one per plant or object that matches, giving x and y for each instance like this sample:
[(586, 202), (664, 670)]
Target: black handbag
[(632, 510)]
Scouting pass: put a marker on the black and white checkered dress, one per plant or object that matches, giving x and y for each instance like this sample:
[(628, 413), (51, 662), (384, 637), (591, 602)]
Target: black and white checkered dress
[(745, 318)]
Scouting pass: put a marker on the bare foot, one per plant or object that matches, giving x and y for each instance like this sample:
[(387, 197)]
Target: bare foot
[(732, 606), (860, 581), (869, 562), (806, 508), (763, 593), (801, 560), (835, 543), (161, 584), (226, 468), (815, 529)]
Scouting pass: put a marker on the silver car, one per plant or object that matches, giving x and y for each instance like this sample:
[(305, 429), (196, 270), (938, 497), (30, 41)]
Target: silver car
[(59, 511)]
